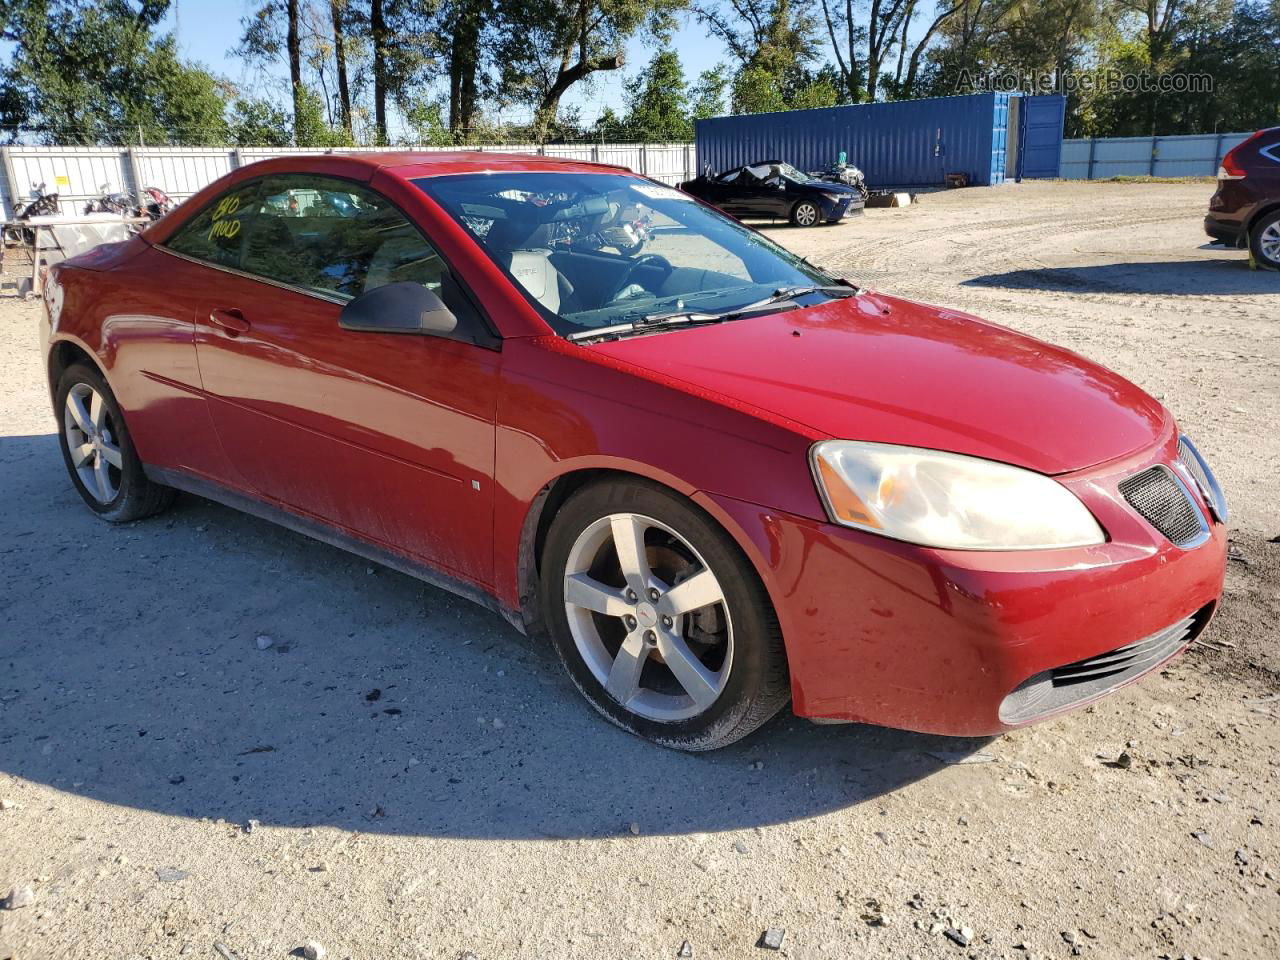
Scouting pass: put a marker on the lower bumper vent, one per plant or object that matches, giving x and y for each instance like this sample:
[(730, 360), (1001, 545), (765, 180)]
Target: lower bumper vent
[(1075, 683)]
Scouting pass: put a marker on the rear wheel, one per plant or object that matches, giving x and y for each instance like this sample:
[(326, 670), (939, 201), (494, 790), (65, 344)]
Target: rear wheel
[(658, 618), (805, 213), (99, 455), (1264, 240)]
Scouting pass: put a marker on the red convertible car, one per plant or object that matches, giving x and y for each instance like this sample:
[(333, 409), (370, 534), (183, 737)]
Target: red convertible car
[(717, 477)]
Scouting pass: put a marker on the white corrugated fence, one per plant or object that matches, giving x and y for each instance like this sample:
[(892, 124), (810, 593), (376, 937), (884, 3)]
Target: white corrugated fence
[(79, 174)]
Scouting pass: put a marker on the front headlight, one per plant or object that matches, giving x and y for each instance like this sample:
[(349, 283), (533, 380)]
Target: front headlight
[(947, 500), (833, 197)]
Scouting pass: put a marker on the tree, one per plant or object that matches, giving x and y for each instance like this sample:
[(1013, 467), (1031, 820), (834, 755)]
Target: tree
[(262, 43), (608, 126), (294, 46), (658, 101), (426, 123), (95, 71), (743, 26), (463, 24), (259, 123), (1234, 46), (774, 43), (379, 37), (707, 96), (310, 125), (550, 45), (904, 88), (337, 13), (319, 41), (963, 50), (846, 37)]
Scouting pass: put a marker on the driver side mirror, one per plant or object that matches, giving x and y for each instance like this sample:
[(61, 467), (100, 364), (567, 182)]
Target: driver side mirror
[(404, 307)]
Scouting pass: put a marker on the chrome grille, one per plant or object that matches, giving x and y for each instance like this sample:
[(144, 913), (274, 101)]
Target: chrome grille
[(1075, 683), (1166, 504)]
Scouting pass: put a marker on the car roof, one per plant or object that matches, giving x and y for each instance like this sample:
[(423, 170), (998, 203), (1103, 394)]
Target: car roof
[(433, 163), (363, 165), (410, 164)]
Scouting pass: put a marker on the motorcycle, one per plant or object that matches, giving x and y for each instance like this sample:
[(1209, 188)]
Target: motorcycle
[(119, 203), (152, 203), (156, 203), (42, 205), (844, 173)]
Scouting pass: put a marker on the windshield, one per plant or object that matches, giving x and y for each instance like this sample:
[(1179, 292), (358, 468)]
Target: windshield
[(600, 249)]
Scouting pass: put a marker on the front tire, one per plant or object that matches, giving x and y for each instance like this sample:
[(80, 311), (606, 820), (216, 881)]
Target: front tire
[(98, 452), (805, 214), (1264, 241), (659, 620)]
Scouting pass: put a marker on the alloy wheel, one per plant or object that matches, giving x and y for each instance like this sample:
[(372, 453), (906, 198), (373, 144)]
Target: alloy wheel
[(1269, 242), (648, 617), (93, 442), (806, 214)]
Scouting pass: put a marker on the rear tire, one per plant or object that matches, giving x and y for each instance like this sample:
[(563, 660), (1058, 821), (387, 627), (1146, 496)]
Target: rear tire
[(1264, 241), (98, 452), (806, 214), (694, 668)]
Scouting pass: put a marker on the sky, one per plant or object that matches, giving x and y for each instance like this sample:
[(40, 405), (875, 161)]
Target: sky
[(208, 29)]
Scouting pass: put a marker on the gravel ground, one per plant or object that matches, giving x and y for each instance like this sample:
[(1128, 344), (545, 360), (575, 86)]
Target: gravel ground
[(422, 782)]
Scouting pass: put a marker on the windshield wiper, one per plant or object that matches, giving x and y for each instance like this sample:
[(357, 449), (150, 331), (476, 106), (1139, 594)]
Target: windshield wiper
[(674, 318), (652, 321), (840, 290)]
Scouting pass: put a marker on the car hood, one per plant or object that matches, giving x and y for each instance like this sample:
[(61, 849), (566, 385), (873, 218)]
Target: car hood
[(876, 368), (828, 186)]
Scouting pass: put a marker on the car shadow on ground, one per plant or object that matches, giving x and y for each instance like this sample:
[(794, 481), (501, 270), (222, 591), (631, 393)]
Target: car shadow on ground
[(1225, 276), (132, 675)]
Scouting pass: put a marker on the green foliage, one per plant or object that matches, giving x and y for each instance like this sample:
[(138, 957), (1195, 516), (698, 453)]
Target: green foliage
[(1236, 48), (1114, 52), (757, 90), (259, 123), (658, 102), (707, 96), (548, 46), (427, 124), (92, 71), (310, 126), (775, 43), (608, 126)]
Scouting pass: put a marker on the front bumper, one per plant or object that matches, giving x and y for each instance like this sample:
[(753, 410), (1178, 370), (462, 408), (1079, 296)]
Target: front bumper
[(836, 210), (936, 641)]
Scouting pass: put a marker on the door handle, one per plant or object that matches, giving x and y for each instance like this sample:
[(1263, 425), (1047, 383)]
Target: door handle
[(231, 320)]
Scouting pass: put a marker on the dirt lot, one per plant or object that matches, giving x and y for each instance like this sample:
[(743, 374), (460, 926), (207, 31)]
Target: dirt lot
[(478, 806)]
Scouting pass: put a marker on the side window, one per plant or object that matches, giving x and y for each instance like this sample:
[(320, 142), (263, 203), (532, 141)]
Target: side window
[(335, 237), (217, 234)]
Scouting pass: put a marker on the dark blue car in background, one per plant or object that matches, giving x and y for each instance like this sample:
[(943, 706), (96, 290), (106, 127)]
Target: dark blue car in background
[(776, 190)]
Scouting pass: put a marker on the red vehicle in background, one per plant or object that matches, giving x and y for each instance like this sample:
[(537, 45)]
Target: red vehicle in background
[(717, 477), (1245, 210)]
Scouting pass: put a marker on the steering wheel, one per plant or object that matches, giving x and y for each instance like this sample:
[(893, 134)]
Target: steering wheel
[(636, 264)]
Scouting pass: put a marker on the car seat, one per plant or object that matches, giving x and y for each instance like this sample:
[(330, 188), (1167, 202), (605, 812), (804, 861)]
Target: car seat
[(521, 244)]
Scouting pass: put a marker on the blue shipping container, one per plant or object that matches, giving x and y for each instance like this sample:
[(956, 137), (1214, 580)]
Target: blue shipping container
[(905, 143)]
